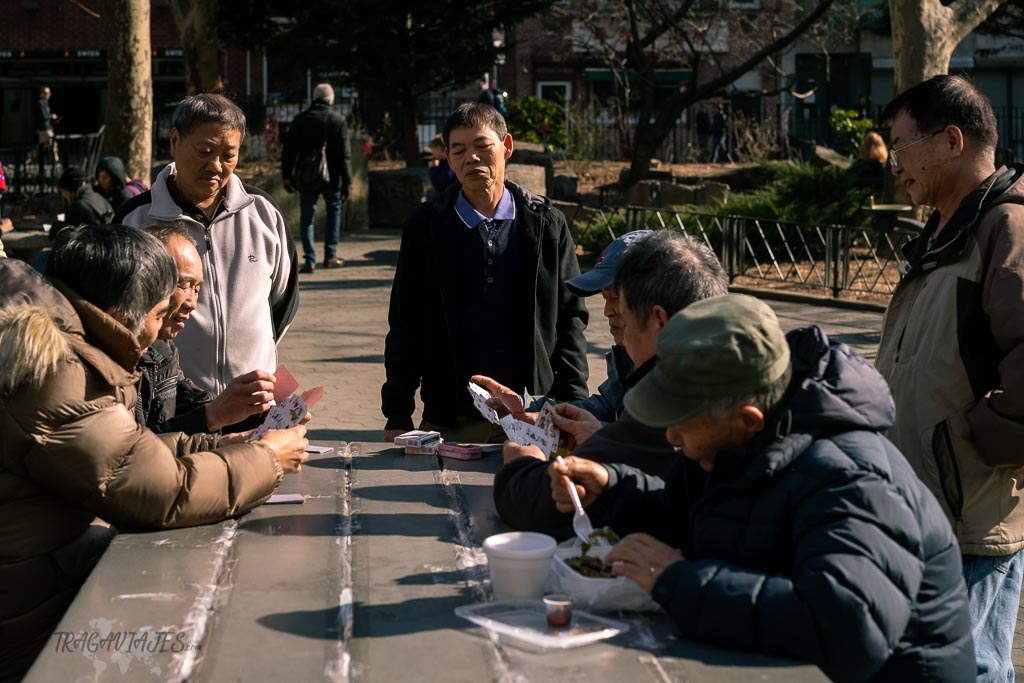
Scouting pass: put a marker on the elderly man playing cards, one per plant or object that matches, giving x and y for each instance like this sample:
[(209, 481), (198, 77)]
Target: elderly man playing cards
[(73, 460), (606, 404), (168, 400), (789, 526), (660, 275)]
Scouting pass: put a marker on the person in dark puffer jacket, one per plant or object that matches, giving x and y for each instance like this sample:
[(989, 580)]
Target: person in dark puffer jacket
[(791, 527)]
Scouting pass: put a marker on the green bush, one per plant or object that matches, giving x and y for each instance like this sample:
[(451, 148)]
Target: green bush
[(849, 130), (534, 119), (802, 193)]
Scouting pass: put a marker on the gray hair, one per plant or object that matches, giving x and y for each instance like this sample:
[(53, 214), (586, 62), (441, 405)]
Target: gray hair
[(165, 230), (766, 399), (323, 91), (205, 108), (668, 269), (114, 266)]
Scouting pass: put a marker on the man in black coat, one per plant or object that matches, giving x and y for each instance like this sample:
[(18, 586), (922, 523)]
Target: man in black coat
[(315, 129), (480, 289), (790, 526)]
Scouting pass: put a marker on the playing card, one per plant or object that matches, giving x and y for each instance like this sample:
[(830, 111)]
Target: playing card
[(480, 397), (546, 423), (543, 434), (508, 425), (281, 498), (286, 384), (311, 397), (284, 415)]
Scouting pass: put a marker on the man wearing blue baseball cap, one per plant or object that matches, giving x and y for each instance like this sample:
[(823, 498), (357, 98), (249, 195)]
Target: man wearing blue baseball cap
[(659, 275), (606, 404), (790, 526)]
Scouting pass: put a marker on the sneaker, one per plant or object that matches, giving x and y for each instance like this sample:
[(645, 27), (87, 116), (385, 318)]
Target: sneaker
[(334, 262), (307, 268)]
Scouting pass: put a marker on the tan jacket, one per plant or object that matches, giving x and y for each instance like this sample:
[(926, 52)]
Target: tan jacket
[(952, 350), (73, 460)]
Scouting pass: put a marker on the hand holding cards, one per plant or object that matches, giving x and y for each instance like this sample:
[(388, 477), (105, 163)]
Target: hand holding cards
[(291, 409), (543, 434)]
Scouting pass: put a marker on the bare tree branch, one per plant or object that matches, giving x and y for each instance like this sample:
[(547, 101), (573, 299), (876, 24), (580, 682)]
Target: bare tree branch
[(969, 14)]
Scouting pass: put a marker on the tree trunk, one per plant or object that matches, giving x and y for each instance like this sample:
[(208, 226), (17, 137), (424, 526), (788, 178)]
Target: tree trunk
[(197, 27), (129, 118), (923, 40), (410, 130)]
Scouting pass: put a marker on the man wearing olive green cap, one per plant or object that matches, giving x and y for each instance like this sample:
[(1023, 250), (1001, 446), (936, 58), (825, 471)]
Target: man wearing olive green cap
[(790, 526)]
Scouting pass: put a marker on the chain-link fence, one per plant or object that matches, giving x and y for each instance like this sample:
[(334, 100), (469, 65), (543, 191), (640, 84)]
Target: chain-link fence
[(841, 260)]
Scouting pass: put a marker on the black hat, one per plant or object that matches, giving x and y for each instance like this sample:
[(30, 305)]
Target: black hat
[(71, 179)]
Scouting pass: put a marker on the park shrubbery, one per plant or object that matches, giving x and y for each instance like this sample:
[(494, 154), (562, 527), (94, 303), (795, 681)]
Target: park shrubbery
[(804, 194)]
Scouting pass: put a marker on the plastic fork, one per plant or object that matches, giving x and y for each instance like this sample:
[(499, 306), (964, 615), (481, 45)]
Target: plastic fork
[(580, 521)]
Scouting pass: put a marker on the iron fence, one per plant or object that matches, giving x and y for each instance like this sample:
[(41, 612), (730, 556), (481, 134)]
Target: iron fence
[(838, 259), (33, 170)]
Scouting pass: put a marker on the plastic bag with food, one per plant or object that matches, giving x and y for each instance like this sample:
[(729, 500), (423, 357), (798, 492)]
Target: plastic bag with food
[(610, 594)]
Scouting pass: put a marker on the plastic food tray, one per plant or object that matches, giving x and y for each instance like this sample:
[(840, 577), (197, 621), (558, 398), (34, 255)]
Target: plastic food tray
[(525, 623)]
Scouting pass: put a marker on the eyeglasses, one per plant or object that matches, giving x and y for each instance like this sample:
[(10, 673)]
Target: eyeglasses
[(894, 160), (190, 285)]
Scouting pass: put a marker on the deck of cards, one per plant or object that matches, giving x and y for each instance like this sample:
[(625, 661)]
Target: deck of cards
[(418, 442)]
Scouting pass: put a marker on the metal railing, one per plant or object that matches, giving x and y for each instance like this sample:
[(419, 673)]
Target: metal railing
[(838, 259), (32, 170)]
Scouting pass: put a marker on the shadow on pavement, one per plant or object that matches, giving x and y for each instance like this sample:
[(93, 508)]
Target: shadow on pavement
[(413, 493), (311, 285), (317, 623)]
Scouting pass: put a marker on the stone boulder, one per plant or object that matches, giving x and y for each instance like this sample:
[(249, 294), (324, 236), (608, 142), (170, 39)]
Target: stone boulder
[(711, 192), (533, 154), (677, 195), (395, 195), (644, 193), (529, 176), (565, 187), (824, 157)]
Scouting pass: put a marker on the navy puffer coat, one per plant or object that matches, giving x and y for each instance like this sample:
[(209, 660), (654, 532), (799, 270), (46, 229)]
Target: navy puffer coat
[(816, 540)]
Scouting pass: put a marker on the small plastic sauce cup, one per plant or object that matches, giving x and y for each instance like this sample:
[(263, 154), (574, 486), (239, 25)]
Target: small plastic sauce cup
[(559, 610)]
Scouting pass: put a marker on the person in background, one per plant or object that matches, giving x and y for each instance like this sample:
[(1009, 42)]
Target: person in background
[(789, 526), (77, 463), (83, 205), (952, 346), (44, 120), (319, 130), (871, 160), (441, 174), (114, 184)]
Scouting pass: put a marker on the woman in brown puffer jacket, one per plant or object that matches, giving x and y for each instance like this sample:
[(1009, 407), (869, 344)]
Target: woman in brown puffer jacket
[(73, 461)]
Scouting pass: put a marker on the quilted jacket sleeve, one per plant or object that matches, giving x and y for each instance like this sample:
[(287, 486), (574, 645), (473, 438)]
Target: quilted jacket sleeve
[(98, 457)]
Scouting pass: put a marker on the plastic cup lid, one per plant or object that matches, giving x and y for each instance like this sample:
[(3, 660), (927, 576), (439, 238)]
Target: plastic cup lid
[(524, 545)]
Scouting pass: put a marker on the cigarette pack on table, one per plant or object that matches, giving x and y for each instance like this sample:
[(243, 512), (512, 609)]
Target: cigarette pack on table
[(417, 438), (460, 451)]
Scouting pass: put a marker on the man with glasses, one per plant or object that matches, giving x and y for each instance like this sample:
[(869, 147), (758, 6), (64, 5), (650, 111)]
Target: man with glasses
[(168, 400), (952, 346)]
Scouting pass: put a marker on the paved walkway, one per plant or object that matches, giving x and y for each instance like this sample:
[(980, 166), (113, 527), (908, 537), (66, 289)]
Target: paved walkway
[(337, 340)]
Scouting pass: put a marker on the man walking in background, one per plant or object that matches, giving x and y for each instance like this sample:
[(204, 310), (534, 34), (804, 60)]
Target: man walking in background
[(317, 161)]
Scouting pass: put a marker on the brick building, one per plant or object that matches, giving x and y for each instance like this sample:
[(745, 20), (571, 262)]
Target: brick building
[(62, 45)]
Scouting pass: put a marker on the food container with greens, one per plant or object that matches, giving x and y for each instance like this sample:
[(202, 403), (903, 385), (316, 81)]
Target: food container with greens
[(582, 573)]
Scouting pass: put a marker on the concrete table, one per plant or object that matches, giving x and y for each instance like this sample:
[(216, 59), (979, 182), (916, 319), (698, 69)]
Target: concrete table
[(359, 582)]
